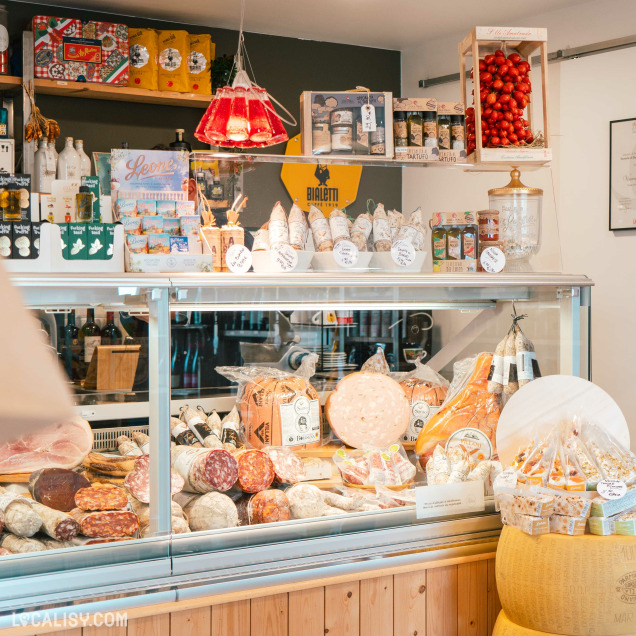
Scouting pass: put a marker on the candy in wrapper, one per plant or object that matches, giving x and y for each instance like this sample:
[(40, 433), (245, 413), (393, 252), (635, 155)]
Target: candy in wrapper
[(534, 505), (572, 506), (481, 472), (534, 526)]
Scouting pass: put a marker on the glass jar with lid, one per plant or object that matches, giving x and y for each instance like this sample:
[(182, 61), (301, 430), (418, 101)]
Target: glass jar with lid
[(519, 221)]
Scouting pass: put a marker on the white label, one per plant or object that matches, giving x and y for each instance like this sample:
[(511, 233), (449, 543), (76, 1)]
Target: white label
[(506, 479), (134, 450), (90, 344), (421, 412), (139, 56), (320, 230), (238, 259), (497, 375), (184, 461), (4, 38), (474, 442), (346, 254), (197, 62), (278, 232), (297, 233), (493, 260), (403, 253), (170, 59), (284, 257), (381, 230), (300, 422), (524, 365), (368, 118), (339, 228), (445, 500), (508, 361), (611, 488), (363, 226)]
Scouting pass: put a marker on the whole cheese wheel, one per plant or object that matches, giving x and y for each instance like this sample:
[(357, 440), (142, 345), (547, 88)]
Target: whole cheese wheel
[(567, 585), (425, 398), (368, 410), (505, 627), (281, 412)]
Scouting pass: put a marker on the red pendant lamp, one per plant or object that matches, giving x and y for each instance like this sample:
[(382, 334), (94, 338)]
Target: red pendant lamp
[(242, 115)]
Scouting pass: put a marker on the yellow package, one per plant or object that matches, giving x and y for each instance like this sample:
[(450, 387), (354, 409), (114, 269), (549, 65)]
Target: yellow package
[(200, 62), (172, 73), (143, 46)]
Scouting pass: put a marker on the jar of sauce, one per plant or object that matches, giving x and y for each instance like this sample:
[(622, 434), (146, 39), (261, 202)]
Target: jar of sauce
[(488, 225)]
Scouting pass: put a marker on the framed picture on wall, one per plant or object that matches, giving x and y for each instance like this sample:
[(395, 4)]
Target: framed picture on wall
[(622, 195)]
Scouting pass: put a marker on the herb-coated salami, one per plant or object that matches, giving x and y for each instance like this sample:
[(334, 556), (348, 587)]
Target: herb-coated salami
[(255, 470), (269, 506), (101, 497), (56, 487), (106, 524), (288, 466)]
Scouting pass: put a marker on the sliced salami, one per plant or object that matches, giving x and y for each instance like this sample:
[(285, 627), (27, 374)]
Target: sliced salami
[(56, 487), (205, 470), (288, 466), (106, 524), (269, 506), (58, 525), (101, 497), (138, 482), (255, 470)]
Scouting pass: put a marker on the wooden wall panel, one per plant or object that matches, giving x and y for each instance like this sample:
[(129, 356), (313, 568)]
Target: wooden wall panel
[(472, 599), (269, 616), (307, 612), (441, 601), (68, 632), (376, 606), (150, 626), (342, 609), (409, 608), (232, 618), (119, 630), (193, 622), (494, 604)]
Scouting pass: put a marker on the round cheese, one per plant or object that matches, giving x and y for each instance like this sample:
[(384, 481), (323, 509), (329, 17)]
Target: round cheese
[(505, 627), (568, 585), (368, 410)]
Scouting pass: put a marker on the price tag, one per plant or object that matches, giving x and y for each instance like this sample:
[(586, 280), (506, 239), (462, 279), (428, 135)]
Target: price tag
[(238, 259), (507, 479), (611, 488), (493, 260), (449, 499), (345, 253), (368, 118), (403, 253), (284, 258)]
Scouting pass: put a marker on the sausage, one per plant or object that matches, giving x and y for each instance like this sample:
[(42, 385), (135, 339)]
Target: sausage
[(56, 487), (5, 552), (127, 447), (101, 497), (143, 441), (361, 231), (21, 544), (204, 470), (510, 363), (495, 376), (209, 511), (396, 220), (255, 470), (19, 516), (381, 230), (182, 434), (338, 226), (527, 365), (305, 501), (342, 502), (196, 423), (230, 430), (138, 482), (278, 227), (58, 525), (106, 524), (98, 478), (269, 506), (320, 230), (298, 228), (288, 467)]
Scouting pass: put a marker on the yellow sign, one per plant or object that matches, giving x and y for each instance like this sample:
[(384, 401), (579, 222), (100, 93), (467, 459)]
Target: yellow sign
[(323, 185)]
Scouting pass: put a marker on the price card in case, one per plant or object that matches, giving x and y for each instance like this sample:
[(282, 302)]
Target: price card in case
[(238, 259), (403, 253), (493, 260), (449, 499), (284, 258), (346, 254)]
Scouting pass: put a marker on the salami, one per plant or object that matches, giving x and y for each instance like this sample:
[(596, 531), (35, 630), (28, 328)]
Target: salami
[(56, 487), (21, 544), (110, 465), (288, 467), (182, 434), (101, 497), (204, 470), (269, 506), (106, 524), (255, 470), (127, 447), (5, 552), (196, 423), (19, 516), (368, 410), (138, 482), (58, 525), (143, 441), (209, 511), (305, 501)]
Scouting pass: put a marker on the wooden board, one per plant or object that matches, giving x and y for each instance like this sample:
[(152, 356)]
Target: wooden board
[(307, 612), (150, 626), (8, 82), (409, 592), (269, 616), (494, 604), (472, 592), (194, 622), (104, 631), (441, 615), (376, 606), (342, 609), (90, 90), (18, 478), (231, 618)]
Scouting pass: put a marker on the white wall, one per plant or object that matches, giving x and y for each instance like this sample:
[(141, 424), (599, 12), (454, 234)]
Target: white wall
[(585, 94)]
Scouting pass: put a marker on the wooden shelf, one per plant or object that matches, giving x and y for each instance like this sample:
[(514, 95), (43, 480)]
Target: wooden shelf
[(8, 82), (89, 90)]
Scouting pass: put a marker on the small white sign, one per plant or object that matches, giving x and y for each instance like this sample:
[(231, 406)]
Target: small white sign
[(345, 253), (611, 488), (403, 253), (368, 118), (238, 259), (506, 479), (449, 499), (493, 260), (284, 258)]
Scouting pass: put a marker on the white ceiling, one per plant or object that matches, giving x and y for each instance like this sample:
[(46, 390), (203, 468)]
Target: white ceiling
[(387, 24)]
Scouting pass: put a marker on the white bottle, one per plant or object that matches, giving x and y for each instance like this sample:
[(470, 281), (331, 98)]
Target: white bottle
[(44, 169), (85, 162), (68, 162)]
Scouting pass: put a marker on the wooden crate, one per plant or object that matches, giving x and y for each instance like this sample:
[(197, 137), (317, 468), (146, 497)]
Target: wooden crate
[(525, 41), (113, 368)]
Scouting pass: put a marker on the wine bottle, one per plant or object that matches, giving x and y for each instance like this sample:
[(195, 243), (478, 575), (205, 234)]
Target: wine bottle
[(90, 337), (179, 143), (186, 363), (193, 375), (71, 348), (111, 334), (176, 365)]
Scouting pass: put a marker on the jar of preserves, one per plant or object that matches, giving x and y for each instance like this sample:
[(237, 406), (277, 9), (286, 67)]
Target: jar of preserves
[(488, 225)]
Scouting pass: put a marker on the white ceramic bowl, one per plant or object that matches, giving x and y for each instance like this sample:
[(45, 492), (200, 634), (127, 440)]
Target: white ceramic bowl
[(384, 262), (262, 262), (325, 262)]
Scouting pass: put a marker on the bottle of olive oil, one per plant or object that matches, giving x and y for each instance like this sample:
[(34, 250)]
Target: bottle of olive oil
[(439, 243), (415, 123), (469, 243), (453, 244)]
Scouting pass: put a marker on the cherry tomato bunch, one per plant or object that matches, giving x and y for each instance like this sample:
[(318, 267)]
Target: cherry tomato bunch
[(505, 89)]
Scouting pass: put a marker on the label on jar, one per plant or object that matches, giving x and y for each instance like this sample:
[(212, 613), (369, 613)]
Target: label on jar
[(439, 248), (320, 138), (339, 228), (377, 145), (170, 59), (454, 248), (300, 422), (457, 132), (415, 134), (341, 117), (362, 137), (444, 138), (342, 138), (430, 134), (469, 247), (400, 130)]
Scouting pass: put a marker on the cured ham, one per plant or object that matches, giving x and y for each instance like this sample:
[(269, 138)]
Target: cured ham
[(62, 445)]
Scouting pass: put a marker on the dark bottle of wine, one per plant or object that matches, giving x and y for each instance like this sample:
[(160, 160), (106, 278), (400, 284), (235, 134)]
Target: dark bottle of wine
[(111, 334), (90, 338), (193, 371), (72, 348), (176, 364), (179, 143), (186, 363)]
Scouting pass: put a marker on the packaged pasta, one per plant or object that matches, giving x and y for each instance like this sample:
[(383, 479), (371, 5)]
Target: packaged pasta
[(143, 47), (320, 230), (200, 64), (298, 228), (172, 72)]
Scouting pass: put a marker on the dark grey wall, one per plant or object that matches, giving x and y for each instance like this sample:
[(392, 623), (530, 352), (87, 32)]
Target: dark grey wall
[(285, 66)]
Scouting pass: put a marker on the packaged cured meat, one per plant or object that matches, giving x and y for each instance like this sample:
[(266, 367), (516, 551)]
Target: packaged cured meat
[(377, 363), (511, 383), (268, 506), (58, 525), (99, 478), (143, 441), (305, 501), (396, 220), (320, 230), (62, 445), (127, 447), (209, 511), (261, 240), (349, 503), (111, 465), (56, 487), (338, 226), (468, 405), (387, 467), (138, 481), (21, 545), (527, 364), (288, 466), (255, 470), (368, 410), (496, 373), (298, 228), (381, 230), (101, 497), (182, 434), (19, 516), (438, 467), (278, 226), (204, 470), (278, 408), (196, 423), (231, 430), (426, 391), (213, 421), (106, 524), (361, 231)]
